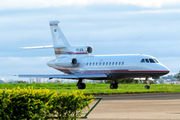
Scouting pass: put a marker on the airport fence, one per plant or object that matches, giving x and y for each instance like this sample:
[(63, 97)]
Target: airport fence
[(28, 103)]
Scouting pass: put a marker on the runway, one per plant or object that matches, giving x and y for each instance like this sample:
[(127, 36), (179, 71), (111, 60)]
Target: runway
[(151, 106)]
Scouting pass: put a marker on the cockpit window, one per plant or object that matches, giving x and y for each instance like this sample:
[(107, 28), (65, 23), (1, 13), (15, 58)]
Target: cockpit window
[(142, 61), (156, 61), (151, 61), (147, 60)]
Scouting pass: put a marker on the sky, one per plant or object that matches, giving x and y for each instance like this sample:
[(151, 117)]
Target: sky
[(109, 26)]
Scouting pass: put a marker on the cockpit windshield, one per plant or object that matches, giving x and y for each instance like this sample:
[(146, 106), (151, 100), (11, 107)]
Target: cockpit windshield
[(156, 61), (149, 61)]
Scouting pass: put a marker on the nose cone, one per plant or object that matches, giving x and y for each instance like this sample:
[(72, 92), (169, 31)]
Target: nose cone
[(164, 69)]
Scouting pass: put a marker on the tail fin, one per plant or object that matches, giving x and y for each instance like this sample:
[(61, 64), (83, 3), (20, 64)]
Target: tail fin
[(61, 45), (58, 38)]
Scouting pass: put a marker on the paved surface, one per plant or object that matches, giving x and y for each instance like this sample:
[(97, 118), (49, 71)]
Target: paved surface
[(151, 106)]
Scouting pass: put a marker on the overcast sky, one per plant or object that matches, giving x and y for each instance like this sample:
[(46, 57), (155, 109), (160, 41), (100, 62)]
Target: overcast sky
[(109, 26)]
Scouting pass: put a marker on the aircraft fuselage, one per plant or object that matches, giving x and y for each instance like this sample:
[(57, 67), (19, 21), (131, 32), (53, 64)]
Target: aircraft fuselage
[(114, 66)]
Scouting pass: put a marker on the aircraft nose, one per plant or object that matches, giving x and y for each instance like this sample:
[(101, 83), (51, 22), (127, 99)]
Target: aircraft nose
[(165, 69)]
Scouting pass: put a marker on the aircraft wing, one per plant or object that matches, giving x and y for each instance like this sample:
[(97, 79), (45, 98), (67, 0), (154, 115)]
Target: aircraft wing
[(73, 76)]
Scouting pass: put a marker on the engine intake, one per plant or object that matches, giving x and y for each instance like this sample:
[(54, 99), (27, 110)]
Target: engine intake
[(74, 62), (89, 49)]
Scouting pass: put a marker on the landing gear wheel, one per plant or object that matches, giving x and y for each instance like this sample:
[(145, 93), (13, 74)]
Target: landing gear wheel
[(147, 87), (82, 86), (113, 86)]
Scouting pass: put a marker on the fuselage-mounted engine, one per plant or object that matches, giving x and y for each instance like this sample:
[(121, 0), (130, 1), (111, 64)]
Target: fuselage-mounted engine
[(66, 62), (80, 50)]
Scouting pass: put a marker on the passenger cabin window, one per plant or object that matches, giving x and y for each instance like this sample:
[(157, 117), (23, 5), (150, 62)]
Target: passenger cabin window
[(112, 63), (93, 63), (90, 64), (122, 63), (100, 63), (109, 63), (116, 63), (96, 63), (103, 63), (106, 63), (86, 64), (119, 63)]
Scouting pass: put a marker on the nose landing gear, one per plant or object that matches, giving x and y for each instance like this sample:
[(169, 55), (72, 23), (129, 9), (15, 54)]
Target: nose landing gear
[(147, 82), (147, 87)]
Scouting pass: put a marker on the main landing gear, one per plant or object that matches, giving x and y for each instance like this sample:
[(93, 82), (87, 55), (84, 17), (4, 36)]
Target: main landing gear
[(114, 85), (147, 82), (81, 85)]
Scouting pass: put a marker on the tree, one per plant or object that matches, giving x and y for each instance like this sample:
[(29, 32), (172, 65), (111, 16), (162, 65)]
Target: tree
[(178, 76), (20, 81)]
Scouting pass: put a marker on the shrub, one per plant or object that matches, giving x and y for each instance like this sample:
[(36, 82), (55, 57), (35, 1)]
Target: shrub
[(28, 103)]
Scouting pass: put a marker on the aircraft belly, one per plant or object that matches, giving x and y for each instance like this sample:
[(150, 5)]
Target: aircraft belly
[(119, 74), (69, 70), (133, 74)]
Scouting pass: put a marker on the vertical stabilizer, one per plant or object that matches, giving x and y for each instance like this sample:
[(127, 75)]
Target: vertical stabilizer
[(57, 35), (58, 38)]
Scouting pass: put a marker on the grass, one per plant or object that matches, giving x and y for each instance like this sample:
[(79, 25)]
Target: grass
[(98, 88)]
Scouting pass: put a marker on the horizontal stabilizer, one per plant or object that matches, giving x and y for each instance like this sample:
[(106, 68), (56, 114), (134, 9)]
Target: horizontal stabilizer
[(77, 76), (44, 47)]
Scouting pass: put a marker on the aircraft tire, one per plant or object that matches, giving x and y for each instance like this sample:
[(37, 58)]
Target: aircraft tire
[(113, 86), (147, 87), (82, 86)]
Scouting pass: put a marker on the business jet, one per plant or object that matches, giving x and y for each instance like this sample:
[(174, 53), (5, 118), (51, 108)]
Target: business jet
[(78, 63)]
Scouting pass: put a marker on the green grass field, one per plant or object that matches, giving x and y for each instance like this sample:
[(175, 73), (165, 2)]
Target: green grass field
[(98, 88)]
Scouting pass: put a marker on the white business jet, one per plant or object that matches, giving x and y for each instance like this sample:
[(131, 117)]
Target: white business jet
[(78, 63)]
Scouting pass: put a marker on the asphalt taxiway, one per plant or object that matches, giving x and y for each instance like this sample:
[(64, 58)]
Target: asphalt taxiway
[(150, 106)]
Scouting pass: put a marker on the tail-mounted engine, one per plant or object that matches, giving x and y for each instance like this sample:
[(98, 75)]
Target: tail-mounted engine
[(80, 50), (73, 50), (66, 62)]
